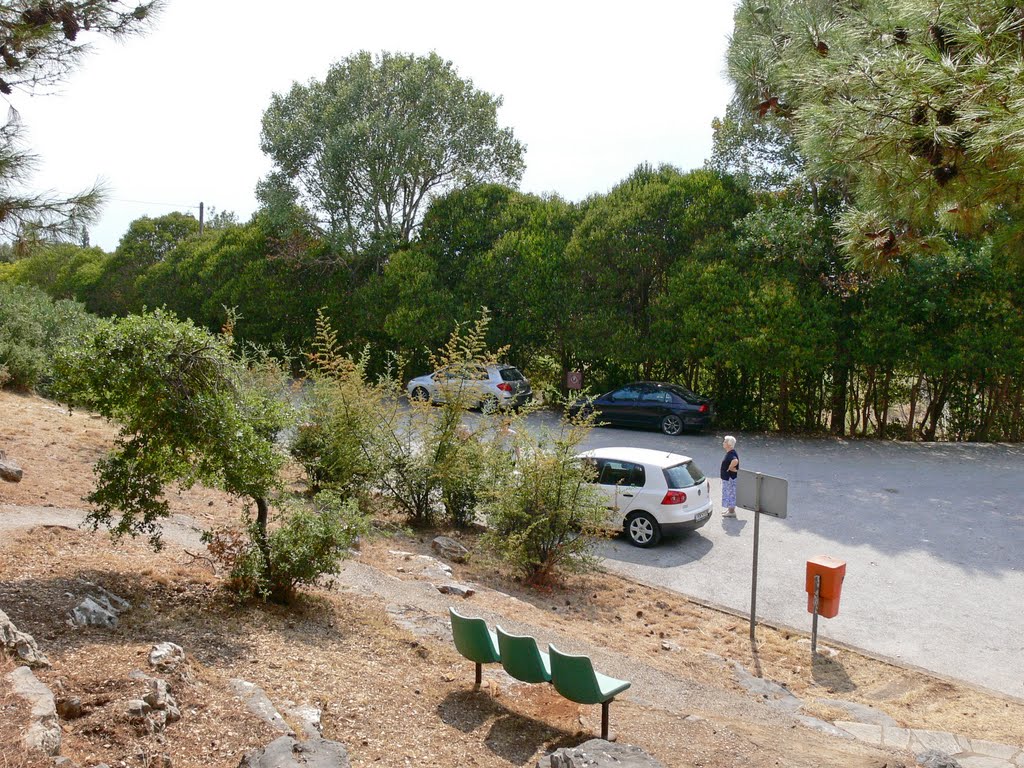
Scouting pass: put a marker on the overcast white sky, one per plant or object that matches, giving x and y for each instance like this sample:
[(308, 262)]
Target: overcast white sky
[(173, 118)]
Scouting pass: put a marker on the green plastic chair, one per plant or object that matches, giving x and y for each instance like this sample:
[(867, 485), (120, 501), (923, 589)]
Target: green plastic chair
[(574, 677), (522, 659), (474, 641)]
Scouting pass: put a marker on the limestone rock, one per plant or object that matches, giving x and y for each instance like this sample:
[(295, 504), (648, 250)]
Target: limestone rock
[(22, 644), (598, 753), (286, 752), (450, 549), (100, 609), (9, 471), (933, 758), (166, 657), (43, 734), (138, 708), (309, 717), (257, 702)]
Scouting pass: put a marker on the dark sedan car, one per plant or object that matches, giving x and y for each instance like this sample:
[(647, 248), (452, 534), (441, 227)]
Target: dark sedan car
[(651, 404)]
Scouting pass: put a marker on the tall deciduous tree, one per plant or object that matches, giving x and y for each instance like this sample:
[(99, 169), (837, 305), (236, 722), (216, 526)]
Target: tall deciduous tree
[(363, 150), (41, 41), (917, 104)]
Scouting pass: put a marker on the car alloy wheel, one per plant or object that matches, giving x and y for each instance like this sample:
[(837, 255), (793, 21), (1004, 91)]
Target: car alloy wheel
[(420, 394), (643, 530), (671, 424)]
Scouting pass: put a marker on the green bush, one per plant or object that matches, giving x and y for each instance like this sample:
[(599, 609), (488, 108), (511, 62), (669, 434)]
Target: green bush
[(309, 543), (433, 454), (32, 328), (339, 441), (543, 513)]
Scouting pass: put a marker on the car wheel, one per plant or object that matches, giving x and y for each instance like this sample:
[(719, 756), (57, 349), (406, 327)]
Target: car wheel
[(642, 530), (671, 424), (420, 394), (489, 404)]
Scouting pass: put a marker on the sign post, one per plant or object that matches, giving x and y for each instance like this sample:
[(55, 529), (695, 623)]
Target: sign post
[(765, 494), (814, 621)]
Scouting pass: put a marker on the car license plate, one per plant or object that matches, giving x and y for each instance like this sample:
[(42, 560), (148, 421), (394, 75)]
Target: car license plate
[(703, 515)]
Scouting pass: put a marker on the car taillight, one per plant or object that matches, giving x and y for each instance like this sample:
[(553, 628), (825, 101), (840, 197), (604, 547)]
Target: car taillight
[(703, 408), (505, 386), (674, 497)]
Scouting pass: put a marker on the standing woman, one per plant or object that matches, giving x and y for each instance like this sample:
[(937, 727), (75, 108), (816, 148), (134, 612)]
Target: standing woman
[(730, 464)]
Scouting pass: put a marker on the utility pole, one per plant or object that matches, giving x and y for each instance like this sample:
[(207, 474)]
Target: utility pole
[(200, 217)]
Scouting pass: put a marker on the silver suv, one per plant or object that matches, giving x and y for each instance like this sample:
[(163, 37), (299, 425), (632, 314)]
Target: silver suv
[(491, 386)]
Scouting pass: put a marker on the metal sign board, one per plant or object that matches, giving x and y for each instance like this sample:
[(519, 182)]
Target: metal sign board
[(762, 493)]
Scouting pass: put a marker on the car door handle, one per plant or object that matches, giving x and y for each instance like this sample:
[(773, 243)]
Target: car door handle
[(628, 495)]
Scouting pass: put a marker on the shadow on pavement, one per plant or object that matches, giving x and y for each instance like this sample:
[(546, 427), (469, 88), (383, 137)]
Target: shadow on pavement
[(668, 554)]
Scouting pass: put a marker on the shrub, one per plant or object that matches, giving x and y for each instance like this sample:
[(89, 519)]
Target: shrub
[(310, 541), (32, 328), (339, 442), (542, 514), (433, 454)]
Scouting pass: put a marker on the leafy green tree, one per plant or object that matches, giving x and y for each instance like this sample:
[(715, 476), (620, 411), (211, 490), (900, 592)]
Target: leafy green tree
[(363, 151), (449, 271), (916, 105), (63, 270), (39, 47), (534, 288), (758, 150), (188, 411), (147, 243), (626, 245)]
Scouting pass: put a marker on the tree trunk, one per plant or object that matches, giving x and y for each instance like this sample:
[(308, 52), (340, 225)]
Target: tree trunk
[(840, 384), (914, 390), (882, 416), (262, 517), (935, 409)]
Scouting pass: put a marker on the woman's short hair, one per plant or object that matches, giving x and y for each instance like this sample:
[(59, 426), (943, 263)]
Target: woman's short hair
[(730, 441)]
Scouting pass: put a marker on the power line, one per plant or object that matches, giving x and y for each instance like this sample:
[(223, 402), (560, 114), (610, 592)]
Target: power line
[(150, 202)]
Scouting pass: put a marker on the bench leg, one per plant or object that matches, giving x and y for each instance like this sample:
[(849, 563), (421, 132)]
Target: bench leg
[(479, 676), (604, 718)]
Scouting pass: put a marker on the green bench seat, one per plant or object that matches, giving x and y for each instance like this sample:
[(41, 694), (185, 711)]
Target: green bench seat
[(574, 677), (475, 641), (522, 659)]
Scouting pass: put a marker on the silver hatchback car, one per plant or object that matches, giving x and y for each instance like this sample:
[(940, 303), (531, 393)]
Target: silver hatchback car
[(490, 386)]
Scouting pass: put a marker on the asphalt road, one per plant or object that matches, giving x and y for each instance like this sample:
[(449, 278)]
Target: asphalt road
[(932, 535)]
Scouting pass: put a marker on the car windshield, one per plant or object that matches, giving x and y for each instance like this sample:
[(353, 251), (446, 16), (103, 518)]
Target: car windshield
[(683, 475), (511, 374)]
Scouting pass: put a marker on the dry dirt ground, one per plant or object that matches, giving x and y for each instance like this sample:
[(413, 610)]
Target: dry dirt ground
[(394, 697)]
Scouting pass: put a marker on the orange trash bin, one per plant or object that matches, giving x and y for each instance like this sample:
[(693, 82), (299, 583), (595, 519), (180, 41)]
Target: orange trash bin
[(832, 572)]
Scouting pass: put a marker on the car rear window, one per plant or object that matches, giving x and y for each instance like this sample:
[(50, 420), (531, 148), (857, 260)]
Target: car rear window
[(511, 374), (684, 475), (686, 395)]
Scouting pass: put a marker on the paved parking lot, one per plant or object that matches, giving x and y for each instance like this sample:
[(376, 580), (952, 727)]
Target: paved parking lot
[(932, 534)]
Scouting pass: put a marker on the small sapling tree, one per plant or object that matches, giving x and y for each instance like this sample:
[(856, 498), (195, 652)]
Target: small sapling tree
[(190, 411), (542, 509)]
